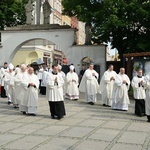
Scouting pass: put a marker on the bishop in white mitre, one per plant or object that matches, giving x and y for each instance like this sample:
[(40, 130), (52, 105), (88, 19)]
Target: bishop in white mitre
[(139, 93), (72, 82), (120, 98), (89, 84), (29, 101), (106, 86)]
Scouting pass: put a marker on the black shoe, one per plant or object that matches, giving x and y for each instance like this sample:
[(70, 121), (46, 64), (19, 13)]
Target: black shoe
[(104, 105), (148, 121), (92, 103), (33, 114), (52, 117), (9, 103), (24, 112), (59, 118)]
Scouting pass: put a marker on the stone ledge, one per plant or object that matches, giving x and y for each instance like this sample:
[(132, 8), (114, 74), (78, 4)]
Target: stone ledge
[(38, 27)]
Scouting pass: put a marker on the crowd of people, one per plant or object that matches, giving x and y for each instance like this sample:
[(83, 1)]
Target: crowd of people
[(21, 85)]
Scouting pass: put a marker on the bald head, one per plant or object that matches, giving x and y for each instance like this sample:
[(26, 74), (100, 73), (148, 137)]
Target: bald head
[(30, 70), (23, 68), (122, 70)]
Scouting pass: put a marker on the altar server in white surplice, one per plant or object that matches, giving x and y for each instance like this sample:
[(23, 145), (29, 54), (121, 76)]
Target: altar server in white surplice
[(30, 84), (54, 93), (120, 98), (139, 93), (72, 82), (106, 85), (9, 80), (89, 84), (3, 71), (146, 83)]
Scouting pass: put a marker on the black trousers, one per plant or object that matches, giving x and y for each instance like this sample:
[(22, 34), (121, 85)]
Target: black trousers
[(40, 83), (140, 107), (148, 117), (43, 90), (57, 109), (3, 92)]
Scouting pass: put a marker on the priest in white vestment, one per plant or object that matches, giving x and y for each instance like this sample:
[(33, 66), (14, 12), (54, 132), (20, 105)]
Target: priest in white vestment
[(54, 93), (9, 80), (146, 83), (120, 98), (29, 101), (106, 86), (89, 85), (72, 82), (19, 90), (139, 93)]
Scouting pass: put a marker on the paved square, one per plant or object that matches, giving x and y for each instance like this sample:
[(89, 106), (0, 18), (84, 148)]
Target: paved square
[(85, 127)]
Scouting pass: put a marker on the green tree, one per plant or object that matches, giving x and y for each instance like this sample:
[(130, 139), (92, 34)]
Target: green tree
[(12, 13), (127, 21)]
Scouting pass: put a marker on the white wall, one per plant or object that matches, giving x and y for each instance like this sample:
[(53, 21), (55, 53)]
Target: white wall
[(13, 40), (96, 52)]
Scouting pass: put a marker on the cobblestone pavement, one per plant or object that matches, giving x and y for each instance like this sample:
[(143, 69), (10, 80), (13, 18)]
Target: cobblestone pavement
[(85, 127)]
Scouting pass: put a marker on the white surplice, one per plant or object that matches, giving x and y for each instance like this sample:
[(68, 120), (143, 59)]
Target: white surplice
[(146, 83), (89, 85), (120, 98), (3, 73), (72, 91), (44, 76), (106, 87), (40, 72), (139, 91), (54, 91), (29, 101)]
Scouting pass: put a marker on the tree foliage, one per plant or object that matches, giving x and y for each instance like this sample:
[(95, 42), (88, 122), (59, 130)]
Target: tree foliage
[(127, 21), (12, 13)]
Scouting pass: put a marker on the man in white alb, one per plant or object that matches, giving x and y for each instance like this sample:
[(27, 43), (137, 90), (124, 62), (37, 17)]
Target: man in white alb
[(9, 80), (89, 84), (106, 85), (30, 84), (120, 98)]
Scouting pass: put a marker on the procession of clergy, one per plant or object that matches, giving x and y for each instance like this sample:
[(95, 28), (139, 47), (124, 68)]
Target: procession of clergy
[(21, 86)]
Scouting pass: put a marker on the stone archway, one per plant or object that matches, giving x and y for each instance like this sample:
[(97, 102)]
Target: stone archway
[(13, 38), (86, 61)]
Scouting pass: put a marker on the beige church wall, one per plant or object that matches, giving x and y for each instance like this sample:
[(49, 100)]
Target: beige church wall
[(26, 57)]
